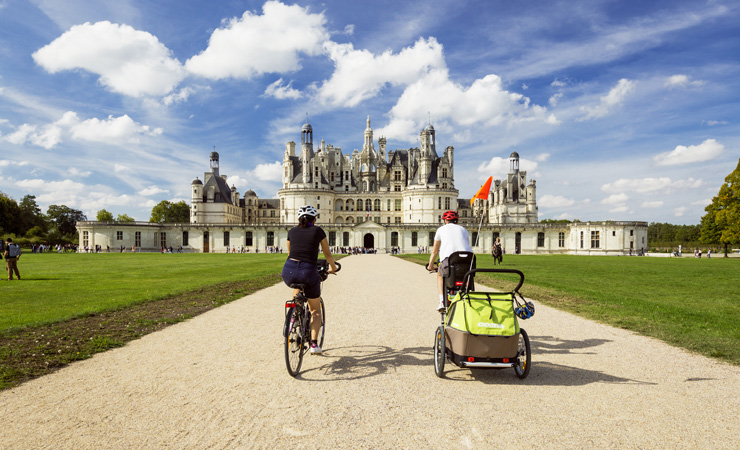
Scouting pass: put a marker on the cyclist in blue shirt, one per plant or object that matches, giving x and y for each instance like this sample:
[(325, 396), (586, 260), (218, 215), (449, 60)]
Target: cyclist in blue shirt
[(304, 241)]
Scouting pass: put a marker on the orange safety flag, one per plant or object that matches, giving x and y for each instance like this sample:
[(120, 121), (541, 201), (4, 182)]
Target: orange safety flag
[(483, 191)]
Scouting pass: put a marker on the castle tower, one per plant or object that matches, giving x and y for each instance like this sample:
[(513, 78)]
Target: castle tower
[(214, 163), (306, 151)]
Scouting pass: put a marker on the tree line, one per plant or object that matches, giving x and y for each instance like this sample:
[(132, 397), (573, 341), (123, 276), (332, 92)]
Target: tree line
[(27, 224)]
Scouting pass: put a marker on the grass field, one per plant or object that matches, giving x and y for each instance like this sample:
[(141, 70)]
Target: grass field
[(687, 302), (56, 287)]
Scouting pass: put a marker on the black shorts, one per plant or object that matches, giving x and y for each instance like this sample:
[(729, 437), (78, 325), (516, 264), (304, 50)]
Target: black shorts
[(303, 272), (444, 268)]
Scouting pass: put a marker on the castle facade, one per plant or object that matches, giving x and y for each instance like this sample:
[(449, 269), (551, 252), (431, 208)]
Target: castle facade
[(372, 197)]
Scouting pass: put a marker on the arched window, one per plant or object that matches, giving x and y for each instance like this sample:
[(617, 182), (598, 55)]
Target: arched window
[(339, 205), (376, 205), (368, 204)]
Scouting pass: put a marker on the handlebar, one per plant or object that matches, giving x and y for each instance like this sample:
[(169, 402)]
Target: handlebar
[(514, 271)]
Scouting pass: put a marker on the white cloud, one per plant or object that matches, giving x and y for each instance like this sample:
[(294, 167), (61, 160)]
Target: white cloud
[(152, 190), (613, 99), (615, 199), (649, 205), (707, 150), (75, 172), (252, 45), (555, 201), (281, 92), (713, 123), (484, 103), (650, 185), (128, 61), (118, 168), (113, 130), (542, 157), (267, 172), (680, 211), (553, 101), (682, 81), (360, 75), (178, 97), (349, 30), (558, 83), (499, 167)]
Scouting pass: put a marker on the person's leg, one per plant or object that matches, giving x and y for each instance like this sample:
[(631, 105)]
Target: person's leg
[(314, 305)]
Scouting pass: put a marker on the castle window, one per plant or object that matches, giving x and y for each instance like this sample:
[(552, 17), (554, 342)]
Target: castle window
[(368, 204), (439, 202), (270, 238), (431, 239), (474, 241), (540, 239), (397, 205), (345, 238), (397, 175), (397, 220), (226, 238), (163, 240), (594, 239), (332, 238), (376, 205), (248, 239), (397, 188), (137, 239), (185, 239), (394, 239), (444, 185), (389, 204), (561, 239), (447, 202), (444, 172), (581, 239), (272, 213), (414, 238), (119, 235), (85, 237)]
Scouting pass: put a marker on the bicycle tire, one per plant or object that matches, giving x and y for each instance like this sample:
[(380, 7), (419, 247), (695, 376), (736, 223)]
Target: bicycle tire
[(525, 351), (294, 343), (439, 351)]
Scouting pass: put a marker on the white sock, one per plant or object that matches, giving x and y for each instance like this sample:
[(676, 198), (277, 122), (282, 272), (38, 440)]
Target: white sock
[(441, 298)]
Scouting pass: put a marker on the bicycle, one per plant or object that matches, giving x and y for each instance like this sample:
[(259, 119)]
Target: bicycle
[(297, 326)]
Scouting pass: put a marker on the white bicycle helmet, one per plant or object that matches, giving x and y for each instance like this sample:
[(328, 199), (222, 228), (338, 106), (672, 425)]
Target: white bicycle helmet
[(307, 210)]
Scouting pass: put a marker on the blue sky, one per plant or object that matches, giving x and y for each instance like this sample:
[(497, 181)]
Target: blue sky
[(620, 110)]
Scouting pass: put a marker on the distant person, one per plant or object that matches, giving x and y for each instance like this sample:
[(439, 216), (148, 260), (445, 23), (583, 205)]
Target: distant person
[(304, 241), (12, 255), (709, 253), (448, 239)]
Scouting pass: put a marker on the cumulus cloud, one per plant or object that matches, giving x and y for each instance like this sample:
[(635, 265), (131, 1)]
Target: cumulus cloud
[(267, 172), (707, 150), (113, 130), (656, 204), (499, 167), (650, 185), (255, 44), (555, 201), (607, 103), (75, 172), (152, 190), (680, 211), (282, 92), (178, 97), (615, 199), (359, 74), (128, 61), (484, 103), (682, 81)]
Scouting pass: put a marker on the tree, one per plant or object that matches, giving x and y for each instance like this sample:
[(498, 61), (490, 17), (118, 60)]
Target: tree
[(169, 212), (722, 221), (30, 215), (123, 218), (10, 213), (65, 218), (104, 216)]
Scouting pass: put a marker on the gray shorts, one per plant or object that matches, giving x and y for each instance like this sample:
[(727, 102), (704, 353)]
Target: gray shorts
[(444, 268)]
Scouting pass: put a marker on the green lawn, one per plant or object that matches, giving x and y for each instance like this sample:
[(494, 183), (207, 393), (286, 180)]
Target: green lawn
[(56, 287), (690, 303)]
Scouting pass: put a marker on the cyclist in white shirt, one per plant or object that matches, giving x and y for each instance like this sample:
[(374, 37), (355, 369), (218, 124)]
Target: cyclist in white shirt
[(448, 239)]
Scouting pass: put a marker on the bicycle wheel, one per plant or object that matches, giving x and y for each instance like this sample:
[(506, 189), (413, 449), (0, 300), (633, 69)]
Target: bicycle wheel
[(524, 354), (293, 343), (323, 323), (439, 351)]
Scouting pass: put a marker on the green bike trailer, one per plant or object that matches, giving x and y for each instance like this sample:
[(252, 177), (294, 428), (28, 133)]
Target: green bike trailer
[(481, 329)]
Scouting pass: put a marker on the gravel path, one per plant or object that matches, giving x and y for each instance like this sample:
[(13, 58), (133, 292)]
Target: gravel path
[(219, 381)]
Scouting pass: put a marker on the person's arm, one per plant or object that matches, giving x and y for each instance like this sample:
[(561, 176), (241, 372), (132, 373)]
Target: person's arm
[(327, 254), (433, 256)]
